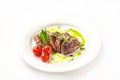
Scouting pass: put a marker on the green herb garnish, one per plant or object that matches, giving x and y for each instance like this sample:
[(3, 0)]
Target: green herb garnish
[(44, 36), (71, 55), (82, 48)]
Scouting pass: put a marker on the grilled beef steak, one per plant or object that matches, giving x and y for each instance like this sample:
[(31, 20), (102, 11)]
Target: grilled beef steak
[(70, 46), (52, 42), (58, 45)]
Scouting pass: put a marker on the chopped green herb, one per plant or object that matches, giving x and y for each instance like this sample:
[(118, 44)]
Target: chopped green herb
[(79, 53), (71, 55), (66, 39), (82, 45), (82, 48), (72, 59)]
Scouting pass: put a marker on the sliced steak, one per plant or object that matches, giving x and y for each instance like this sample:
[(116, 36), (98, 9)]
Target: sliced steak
[(66, 34), (70, 46), (56, 34), (74, 44), (39, 42), (55, 41), (37, 39), (52, 42), (64, 49), (58, 44)]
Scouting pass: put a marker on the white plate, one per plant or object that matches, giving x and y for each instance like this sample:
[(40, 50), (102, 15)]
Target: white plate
[(92, 47)]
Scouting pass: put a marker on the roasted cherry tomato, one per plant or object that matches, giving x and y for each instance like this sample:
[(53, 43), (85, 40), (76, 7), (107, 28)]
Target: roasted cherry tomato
[(45, 58), (37, 51), (48, 49)]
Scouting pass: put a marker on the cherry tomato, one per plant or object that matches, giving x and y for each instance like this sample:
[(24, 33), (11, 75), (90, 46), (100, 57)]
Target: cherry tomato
[(37, 51), (48, 49), (45, 58)]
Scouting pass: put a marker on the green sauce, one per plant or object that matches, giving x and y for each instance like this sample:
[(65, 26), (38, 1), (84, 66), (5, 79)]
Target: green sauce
[(52, 29), (77, 34)]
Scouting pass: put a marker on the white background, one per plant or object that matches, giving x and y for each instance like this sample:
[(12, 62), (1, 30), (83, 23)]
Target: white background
[(17, 17)]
